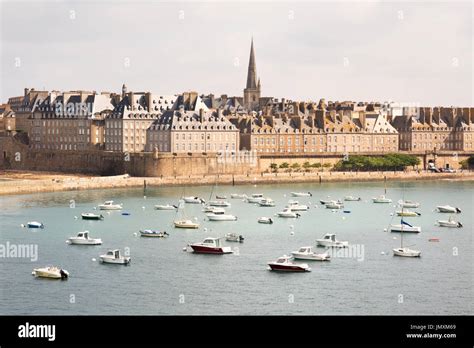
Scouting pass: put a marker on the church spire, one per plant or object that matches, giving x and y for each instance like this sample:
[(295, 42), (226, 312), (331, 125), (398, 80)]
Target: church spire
[(252, 91), (252, 72)]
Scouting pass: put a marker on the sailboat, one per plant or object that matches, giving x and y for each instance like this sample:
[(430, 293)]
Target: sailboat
[(405, 251), (183, 221)]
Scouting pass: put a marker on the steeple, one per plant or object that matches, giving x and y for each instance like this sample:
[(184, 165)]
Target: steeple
[(252, 71), (252, 89)]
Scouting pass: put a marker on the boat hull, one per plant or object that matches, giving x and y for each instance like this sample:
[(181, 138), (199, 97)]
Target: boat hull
[(449, 224), (121, 261), (164, 207), (406, 253), (82, 241), (331, 244), (312, 257), (222, 217), (288, 268), (201, 249), (178, 224), (110, 207), (405, 229)]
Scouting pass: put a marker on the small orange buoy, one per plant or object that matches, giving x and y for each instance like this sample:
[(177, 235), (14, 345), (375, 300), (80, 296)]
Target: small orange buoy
[(433, 240)]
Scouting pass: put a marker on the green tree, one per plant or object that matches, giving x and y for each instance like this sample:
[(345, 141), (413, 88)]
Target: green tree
[(273, 167), (284, 165)]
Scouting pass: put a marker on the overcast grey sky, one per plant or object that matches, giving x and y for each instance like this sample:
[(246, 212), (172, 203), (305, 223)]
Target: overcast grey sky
[(418, 52)]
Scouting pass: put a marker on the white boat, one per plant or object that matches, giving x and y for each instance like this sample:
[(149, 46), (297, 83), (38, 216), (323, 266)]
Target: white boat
[(284, 264), (408, 213), (234, 237), (448, 209), (221, 197), (83, 238), (255, 198), (307, 253), (34, 224), (221, 216), (352, 198), (153, 234), (211, 246), (265, 220), (185, 223), (301, 194), (109, 205), (296, 206), (92, 216), (209, 209), (328, 201), (405, 227), (50, 272), (165, 207), (381, 199), (238, 196), (267, 202), (115, 257), (407, 252), (449, 223), (334, 205), (287, 213), (219, 203), (408, 204), (329, 240), (193, 200)]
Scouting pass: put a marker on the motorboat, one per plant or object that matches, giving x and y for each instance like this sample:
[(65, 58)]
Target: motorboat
[(267, 202), (352, 198), (408, 213), (405, 227), (265, 220), (209, 209), (115, 256), (109, 205), (287, 213), (255, 198), (51, 272), (449, 223), (307, 253), (296, 206), (301, 194), (219, 203), (329, 240), (328, 201), (220, 216), (448, 209), (153, 234), (409, 204), (381, 199), (234, 237), (238, 196), (211, 246), (185, 223), (165, 207), (334, 205), (221, 197), (284, 264), (34, 224), (92, 216), (83, 238), (193, 200), (407, 252)]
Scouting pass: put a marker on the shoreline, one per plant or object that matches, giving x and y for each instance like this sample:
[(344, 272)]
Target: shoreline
[(18, 182)]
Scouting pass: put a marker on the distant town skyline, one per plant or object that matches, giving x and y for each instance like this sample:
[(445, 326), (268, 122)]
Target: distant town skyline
[(404, 52)]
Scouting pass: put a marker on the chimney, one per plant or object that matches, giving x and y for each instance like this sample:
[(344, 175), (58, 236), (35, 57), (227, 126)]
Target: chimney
[(436, 115), (131, 99), (362, 119), (149, 98), (26, 91), (201, 114)]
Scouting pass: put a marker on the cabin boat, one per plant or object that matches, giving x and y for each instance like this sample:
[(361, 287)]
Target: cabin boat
[(209, 209), (115, 257), (334, 205), (219, 203), (296, 206), (381, 199), (405, 227), (409, 204), (287, 213), (267, 202), (329, 240), (284, 264), (234, 237), (34, 224), (50, 272), (238, 196), (109, 205), (83, 238), (185, 223), (211, 246), (153, 234), (255, 198), (448, 209), (301, 194), (165, 207), (352, 198), (408, 213), (307, 253), (221, 216), (92, 216), (329, 201), (449, 223), (221, 197), (193, 200), (265, 220)]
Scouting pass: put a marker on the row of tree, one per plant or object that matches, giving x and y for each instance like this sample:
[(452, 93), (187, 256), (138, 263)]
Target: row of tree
[(392, 161)]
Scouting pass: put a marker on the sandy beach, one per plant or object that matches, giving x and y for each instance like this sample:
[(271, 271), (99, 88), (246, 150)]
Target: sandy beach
[(18, 182)]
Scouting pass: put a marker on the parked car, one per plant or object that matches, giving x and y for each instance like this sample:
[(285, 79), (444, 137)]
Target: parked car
[(448, 170)]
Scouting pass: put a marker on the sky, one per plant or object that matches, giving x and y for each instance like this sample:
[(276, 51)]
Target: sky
[(408, 51)]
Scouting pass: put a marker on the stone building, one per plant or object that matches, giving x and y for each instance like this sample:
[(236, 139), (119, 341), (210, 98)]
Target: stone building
[(24, 106), (7, 120)]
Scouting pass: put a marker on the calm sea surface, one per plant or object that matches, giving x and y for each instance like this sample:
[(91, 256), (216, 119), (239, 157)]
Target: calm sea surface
[(163, 279)]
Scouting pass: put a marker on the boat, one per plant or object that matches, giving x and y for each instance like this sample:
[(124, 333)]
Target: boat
[(287, 213), (219, 203), (34, 224), (407, 252), (193, 200), (405, 227), (448, 209), (352, 198), (284, 264), (255, 198), (211, 246), (307, 253), (114, 256), (328, 201), (296, 206), (334, 205), (234, 237), (301, 194), (186, 223), (109, 205), (209, 209), (92, 216), (83, 238), (221, 216), (238, 196), (409, 204), (408, 213), (267, 202), (329, 240), (153, 234), (165, 207), (381, 199), (449, 223), (50, 272), (221, 197), (265, 220)]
